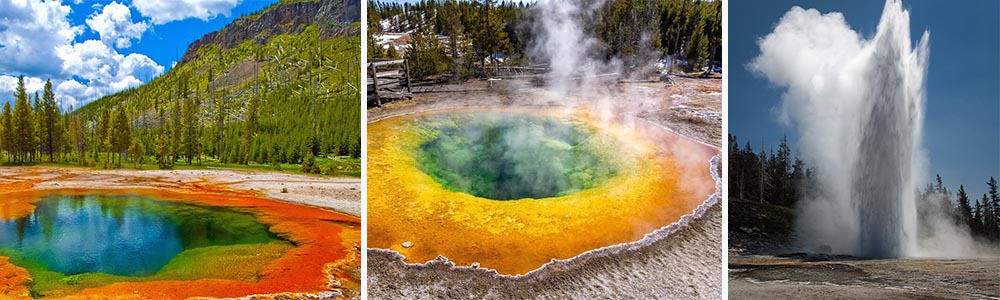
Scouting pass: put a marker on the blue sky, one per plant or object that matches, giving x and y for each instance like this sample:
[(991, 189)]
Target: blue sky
[(94, 48), (962, 123)]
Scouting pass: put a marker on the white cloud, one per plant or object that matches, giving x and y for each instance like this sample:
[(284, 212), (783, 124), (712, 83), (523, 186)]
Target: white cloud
[(29, 33), (35, 85), (141, 66), (37, 40), (104, 69), (69, 93), (31, 84), (166, 11), (114, 24)]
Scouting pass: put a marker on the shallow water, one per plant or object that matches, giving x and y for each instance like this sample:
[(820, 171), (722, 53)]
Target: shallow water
[(509, 156), (120, 235)]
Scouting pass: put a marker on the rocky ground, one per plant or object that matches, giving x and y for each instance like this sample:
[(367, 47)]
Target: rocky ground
[(684, 265), (763, 265), (340, 194), (802, 276), (689, 106), (758, 227)]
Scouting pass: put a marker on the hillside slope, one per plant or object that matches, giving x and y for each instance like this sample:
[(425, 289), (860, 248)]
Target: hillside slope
[(269, 87)]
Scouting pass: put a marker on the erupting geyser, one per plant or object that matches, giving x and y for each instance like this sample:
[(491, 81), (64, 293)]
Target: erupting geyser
[(858, 105), (511, 189)]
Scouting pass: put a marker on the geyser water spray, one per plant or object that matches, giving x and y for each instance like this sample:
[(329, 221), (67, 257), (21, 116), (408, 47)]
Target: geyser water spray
[(858, 105)]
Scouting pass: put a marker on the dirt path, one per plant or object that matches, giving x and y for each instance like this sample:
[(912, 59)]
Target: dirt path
[(340, 194)]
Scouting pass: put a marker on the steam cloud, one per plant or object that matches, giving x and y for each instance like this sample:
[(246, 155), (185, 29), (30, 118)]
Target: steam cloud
[(564, 43), (859, 106)]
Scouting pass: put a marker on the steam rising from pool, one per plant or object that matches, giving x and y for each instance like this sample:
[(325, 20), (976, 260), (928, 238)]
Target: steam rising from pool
[(564, 41), (509, 156), (859, 106)]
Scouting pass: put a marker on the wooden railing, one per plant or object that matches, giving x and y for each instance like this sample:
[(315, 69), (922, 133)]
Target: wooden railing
[(384, 75)]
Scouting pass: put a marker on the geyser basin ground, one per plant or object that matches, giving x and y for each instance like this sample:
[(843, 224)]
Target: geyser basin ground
[(232, 243), (512, 189)]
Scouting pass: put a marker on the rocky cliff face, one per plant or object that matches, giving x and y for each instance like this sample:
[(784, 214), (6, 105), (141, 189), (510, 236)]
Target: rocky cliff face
[(332, 17)]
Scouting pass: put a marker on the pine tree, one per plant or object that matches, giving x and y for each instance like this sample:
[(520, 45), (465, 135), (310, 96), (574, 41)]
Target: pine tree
[(36, 109), (48, 121), (964, 209), (250, 131), (78, 138), (989, 226), (220, 123), (989, 222), (697, 53), (136, 152), (176, 134), (121, 134), (977, 217), (945, 199), (24, 125), (765, 180), (451, 26), (491, 37), (164, 150), (735, 162), (939, 185), (781, 173), (752, 166), (190, 133), (66, 147), (101, 139), (713, 28), (42, 127), (629, 29), (309, 163), (426, 56), (374, 29), (7, 132), (391, 53), (994, 207)]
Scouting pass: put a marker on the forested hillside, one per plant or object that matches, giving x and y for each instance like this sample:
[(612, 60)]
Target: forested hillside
[(276, 87)]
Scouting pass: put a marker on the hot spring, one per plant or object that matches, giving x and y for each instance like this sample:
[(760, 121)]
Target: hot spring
[(159, 244), (512, 189), (509, 156), (121, 235)]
